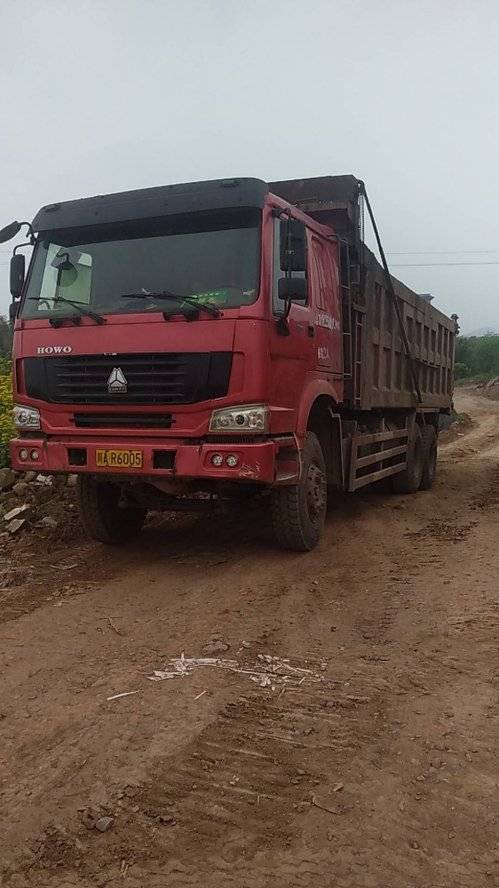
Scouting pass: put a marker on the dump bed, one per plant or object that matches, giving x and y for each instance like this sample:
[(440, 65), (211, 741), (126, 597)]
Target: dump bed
[(386, 379), (377, 366)]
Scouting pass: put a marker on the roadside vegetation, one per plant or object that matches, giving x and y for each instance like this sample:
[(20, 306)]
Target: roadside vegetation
[(6, 429), (477, 358)]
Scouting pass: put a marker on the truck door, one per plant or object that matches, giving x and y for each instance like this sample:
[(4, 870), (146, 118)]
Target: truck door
[(325, 287), (292, 355)]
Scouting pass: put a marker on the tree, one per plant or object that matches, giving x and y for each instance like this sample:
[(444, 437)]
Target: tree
[(461, 371), (478, 354), (5, 337)]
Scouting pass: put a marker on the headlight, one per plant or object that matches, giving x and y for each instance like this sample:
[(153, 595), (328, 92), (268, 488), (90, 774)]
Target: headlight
[(253, 418), (26, 418)]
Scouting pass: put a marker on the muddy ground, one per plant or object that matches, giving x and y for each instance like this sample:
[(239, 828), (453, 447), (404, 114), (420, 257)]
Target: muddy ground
[(367, 760)]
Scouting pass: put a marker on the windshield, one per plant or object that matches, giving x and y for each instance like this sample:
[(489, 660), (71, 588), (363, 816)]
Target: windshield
[(212, 260)]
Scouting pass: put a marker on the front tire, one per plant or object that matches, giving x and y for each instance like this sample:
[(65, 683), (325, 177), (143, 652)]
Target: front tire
[(299, 510), (103, 517)]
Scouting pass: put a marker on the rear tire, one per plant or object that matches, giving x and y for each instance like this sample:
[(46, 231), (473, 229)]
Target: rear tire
[(299, 510), (101, 514), (409, 481), (429, 443)]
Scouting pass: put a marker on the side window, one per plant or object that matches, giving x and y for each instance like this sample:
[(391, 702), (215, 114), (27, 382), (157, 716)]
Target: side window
[(277, 272), (67, 274), (318, 273)]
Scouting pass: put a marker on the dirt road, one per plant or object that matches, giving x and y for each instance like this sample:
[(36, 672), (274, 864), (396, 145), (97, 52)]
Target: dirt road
[(372, 765)]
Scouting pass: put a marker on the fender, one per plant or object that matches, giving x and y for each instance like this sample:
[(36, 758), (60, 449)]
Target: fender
[(312, 391)]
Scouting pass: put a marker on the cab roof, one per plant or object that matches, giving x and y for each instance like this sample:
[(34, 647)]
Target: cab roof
[(150, 203)]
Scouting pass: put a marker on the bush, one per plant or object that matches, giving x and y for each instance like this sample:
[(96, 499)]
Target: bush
[(479, 355), (5, 337), (6, 427), (461, 371)]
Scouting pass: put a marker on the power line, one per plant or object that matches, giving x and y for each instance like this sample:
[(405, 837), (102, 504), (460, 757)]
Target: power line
[(441, 264), (440, 252)]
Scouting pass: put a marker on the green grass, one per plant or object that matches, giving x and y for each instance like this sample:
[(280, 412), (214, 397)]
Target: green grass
[(6, 426)]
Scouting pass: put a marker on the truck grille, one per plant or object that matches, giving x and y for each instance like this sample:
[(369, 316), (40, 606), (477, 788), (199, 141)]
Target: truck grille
[(123, 420), (160, 378)]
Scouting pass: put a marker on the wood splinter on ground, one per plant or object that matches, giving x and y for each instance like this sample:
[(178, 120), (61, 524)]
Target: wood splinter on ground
[(317, 804), (113, 626), (124, 694)]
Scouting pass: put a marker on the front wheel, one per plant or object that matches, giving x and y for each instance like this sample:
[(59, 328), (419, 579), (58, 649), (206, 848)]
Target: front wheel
[(299, 510), (102, 514)]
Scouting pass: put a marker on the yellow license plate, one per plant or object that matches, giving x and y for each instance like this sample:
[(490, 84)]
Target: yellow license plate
[(119, 459)]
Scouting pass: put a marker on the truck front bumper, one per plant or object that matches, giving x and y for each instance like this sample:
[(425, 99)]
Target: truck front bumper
[(267, 462)]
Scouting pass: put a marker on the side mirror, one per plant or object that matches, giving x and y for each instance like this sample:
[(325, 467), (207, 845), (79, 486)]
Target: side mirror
[(17, 267), (289, 289), (10, 231), (293, 245)]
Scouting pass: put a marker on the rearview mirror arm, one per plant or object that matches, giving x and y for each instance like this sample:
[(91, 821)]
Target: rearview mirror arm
[(31, 234), (282, 325), (29, 243)]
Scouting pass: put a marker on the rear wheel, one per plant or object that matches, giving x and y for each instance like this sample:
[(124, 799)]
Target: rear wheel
[(409, 481), (299, 510), (103, 516), (429, 444)]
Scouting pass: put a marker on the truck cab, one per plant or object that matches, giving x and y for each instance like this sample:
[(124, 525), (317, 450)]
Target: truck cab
[(162, 337)]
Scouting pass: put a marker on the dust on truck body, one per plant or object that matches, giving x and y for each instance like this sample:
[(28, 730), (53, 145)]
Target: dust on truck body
[(180, 344)]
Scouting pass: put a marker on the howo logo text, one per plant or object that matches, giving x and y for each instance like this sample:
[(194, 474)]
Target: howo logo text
[(54, 349)]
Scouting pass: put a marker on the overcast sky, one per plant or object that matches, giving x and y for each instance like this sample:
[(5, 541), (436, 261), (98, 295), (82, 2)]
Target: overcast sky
[(107, 95)]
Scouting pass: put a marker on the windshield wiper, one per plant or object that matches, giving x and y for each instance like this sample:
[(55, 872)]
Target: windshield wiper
[(188, 300), (87, 312)]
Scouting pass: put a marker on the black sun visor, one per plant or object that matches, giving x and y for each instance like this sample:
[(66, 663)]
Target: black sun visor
[(152, 203)]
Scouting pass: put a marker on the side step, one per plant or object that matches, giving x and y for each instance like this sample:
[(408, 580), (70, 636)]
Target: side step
[(370, 451)]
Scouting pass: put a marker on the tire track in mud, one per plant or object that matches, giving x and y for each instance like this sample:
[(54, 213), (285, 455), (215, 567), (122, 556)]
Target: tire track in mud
[(241, 789)]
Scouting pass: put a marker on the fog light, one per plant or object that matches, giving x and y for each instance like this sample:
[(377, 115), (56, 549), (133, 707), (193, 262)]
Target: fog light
[(35, 454), (217, 459), (23, 454), (232, 460)]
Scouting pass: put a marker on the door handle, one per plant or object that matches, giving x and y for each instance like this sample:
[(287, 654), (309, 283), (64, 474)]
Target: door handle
[(311, 330)]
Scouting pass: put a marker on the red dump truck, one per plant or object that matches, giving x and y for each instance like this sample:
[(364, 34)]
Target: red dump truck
[(179, 345)]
